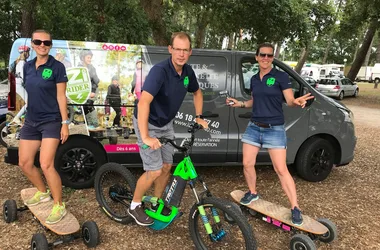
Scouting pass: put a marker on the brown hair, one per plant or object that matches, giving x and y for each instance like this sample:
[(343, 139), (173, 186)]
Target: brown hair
[(264, 45), (42, 31), (181, 35)]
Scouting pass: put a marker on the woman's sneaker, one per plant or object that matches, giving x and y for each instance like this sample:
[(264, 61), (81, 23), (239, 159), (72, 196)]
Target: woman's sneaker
[(57, 214), (297, 216), (248, 198), (37, 198)]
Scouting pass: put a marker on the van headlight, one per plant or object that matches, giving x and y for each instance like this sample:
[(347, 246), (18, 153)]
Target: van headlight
[(348, 115)]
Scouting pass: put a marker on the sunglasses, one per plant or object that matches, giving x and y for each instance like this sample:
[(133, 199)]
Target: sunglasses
[(265, 55), (39, 42)]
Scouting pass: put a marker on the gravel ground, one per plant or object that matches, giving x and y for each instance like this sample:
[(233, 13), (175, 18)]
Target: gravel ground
[(349, 197)]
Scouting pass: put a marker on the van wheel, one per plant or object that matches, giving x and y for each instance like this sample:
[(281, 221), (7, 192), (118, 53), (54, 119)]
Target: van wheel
[(341, 95), (315, 160), (77, 160), (4, 134)]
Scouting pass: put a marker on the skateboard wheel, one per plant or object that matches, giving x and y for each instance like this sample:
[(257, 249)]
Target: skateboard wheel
[(252, 212), (331, 235), (90, 233), (39, 242), (10, 211), (302, 242)]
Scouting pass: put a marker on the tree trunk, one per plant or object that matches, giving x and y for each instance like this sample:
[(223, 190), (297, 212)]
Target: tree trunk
[(153, 10), (100, 35), (201, 28), (360, 57), (278, 48), (27, 20), (302, 60), (230, 41), (366, 60)]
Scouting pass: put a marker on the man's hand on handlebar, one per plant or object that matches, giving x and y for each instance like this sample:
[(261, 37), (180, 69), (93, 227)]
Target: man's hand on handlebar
[(202, 122), (153, 143)]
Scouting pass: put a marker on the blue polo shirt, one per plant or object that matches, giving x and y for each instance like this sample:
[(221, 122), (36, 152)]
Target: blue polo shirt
[(168, 89), (268, 97), (41, 86)]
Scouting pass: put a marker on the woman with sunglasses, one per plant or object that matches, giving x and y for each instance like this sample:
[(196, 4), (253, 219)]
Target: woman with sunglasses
[(270, 87), (46, 123)]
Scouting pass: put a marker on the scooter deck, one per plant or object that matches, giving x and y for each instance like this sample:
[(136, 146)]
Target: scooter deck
[(280, 216)]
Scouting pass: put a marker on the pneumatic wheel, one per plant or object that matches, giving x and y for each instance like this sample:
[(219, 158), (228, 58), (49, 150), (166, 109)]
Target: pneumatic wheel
[(302, 242), (356, 93), (332, 234), (4, 134), (10, 211), (77, 160), (341, 95), (114, 188), (220, 213), (315, 159), (39, 242), (90, 234)]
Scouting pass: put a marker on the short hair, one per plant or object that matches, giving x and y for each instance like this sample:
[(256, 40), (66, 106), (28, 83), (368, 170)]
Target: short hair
[(264, 45), (181, 35), (42, 31)]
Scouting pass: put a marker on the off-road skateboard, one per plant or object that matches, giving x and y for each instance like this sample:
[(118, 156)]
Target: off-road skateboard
[(321, 229), (67, 228)]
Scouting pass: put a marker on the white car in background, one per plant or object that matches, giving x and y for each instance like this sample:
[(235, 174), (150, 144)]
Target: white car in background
[(337, 87)]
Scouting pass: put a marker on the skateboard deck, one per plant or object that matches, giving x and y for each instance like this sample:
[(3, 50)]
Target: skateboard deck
[(281, 216), (68, 225)]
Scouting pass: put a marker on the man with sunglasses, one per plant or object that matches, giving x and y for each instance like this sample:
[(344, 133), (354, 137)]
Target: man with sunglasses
[(269, 87), (46, 123), (164, 90)]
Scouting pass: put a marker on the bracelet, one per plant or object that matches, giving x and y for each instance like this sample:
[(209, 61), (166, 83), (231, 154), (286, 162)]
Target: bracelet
[(242, 105), (199, 116)]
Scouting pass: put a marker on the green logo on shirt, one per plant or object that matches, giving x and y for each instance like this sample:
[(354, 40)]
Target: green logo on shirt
[(46, 74), (186, 81), (271, 81)]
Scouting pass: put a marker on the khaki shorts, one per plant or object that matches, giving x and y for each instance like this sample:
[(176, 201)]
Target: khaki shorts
[(153, 159)]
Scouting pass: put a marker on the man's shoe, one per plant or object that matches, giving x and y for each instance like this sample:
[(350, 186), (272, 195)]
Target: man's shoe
[(165, 211), (38, 198), (297, 216), (140, 216), (248, 198), (57, 214)]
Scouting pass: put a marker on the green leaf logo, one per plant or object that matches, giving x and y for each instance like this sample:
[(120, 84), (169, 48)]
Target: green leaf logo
[(46, 74), (271, 81), (186, 81)]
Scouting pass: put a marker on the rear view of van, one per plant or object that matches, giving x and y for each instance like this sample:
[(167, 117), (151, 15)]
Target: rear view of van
[(319, 137)]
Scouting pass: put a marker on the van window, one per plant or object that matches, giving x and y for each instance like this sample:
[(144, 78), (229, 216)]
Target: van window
[(249, 67)]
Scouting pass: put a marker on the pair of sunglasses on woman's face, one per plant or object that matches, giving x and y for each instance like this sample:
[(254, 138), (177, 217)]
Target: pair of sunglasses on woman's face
[(265, 55), (39, 42)]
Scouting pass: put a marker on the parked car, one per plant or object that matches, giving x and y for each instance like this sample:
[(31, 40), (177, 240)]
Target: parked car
[(310, 80), (320, 136), (337, 87)]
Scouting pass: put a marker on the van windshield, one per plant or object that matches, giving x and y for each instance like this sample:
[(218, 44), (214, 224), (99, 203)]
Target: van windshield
[(328, 82)]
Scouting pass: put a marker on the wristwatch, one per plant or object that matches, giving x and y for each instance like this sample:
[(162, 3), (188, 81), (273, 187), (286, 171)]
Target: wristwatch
[(65, 122), (199, 116)]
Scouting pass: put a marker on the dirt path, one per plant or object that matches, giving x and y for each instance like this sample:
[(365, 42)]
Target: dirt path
[(365, 116)]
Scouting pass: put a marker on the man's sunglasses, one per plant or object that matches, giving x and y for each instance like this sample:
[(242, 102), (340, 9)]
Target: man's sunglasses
[(265, 55), (39, 42)]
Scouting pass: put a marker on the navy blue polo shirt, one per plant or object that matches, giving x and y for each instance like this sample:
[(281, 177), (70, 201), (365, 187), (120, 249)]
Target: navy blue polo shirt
[(168, 89), (41, 86), (268, 97)]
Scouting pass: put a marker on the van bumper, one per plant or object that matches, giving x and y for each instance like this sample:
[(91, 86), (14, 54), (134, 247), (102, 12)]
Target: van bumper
[(348, 143)]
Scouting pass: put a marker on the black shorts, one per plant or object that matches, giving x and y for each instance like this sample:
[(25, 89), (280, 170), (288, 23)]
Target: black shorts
[(40, 130)]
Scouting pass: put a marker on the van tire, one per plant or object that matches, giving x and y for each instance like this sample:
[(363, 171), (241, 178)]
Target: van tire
[(4, 133), (74, 171), (315, 159)]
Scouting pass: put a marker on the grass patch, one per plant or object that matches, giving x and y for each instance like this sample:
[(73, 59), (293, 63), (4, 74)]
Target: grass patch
[(368, 96)]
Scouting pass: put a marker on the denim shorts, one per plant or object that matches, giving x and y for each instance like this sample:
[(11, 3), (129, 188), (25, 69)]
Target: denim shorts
[(153, 159), (272, 137), (40, 130)]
